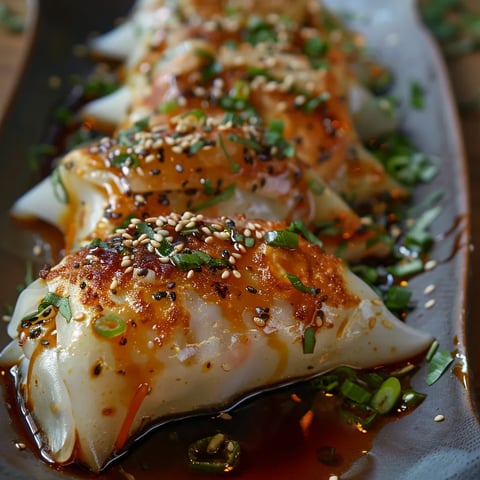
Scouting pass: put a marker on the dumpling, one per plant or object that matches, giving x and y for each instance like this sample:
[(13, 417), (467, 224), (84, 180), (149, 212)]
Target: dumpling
[(269, 69), (195, 163), (181, 314)]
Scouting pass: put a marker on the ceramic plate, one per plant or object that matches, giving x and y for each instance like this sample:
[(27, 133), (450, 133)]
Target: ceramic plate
[(415, 446)]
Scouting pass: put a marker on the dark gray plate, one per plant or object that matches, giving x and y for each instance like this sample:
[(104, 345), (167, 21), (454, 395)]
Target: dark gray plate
[(415, 447)]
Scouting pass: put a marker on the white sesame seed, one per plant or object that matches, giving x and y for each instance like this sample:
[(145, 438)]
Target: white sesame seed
[(259, 322), (236, 273), (190, 274), (430, 265), (129, 269), (225, 274), (430, 303), (439, 418), (429, 289)]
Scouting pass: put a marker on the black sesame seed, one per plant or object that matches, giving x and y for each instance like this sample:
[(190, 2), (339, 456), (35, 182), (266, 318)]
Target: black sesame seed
[(159, 295), (251, 289)]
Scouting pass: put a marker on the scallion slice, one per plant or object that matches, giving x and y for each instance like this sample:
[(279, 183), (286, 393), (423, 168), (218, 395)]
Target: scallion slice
[(109, 326), (215, 454), (355, 392), (439, 363), (386, 397), (281, 238), (309, 340), (299, 285), (221, 197)]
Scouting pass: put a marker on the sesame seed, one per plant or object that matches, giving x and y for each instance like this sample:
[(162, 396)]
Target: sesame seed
[(129, 269), (259, 322), (430, 303), (429, 289), (225, 274), (439, 418), (190, 274), (430, 265), (236, 273)]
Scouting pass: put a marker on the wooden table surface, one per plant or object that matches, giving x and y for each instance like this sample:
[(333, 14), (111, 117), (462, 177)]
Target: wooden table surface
[(465, 78)]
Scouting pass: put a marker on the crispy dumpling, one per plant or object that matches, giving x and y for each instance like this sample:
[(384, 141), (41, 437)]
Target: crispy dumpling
[(198, 164), (269, 68), (180, 314)]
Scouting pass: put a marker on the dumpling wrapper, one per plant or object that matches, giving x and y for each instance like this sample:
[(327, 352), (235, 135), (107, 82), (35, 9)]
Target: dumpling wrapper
[(178, 315), (227, 170)]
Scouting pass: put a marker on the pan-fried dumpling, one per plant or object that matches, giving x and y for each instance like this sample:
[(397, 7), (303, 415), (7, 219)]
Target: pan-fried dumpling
[(181, 314), (266, 70), (195, 164)]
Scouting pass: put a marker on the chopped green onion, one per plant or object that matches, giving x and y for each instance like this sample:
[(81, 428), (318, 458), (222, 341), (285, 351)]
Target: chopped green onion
[(281, 238), (274, 137), (432, 350), (194, 260), (364, 422), (366, 273), (355, 392), (315, 47), (234, 167), (165, 248), (168, 107), (225, 195), (411, 398), (62, 303), (59, 189), (196, 147), (254, 145), (300, 227), (299, 285), (416, 95), (214, 455), (309, 340), (127, 159), (326, 383), (406, 269), (145, 228), (109, 326), (97, 243), (438, 365), (397, 298), (386, 397), (418, 235), (311, 105), (139, 126)]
